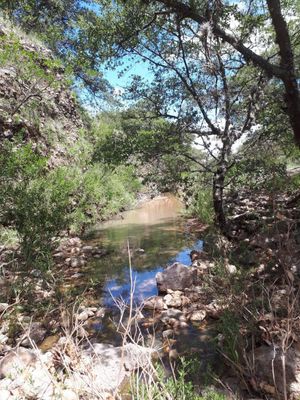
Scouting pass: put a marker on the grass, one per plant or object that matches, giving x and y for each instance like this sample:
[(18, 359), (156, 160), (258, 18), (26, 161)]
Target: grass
[(8, 237)]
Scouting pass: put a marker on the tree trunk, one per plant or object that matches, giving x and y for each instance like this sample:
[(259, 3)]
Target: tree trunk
[(289, 79), (218, 200)]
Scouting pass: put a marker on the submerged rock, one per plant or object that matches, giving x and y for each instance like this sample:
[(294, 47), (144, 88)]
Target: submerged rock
[(176, 277)]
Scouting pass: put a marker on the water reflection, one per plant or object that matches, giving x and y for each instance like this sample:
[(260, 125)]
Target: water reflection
[(156, 236)]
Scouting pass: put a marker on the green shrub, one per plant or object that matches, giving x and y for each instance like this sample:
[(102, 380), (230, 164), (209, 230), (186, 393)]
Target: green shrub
[(39, 203), (34, 202), (202, 204), (261, 172), (179, 387)]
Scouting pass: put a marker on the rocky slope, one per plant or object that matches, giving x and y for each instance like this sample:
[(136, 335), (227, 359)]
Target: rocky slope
[(36, 103)]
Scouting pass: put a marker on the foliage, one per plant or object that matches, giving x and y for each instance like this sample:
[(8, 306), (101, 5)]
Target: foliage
[(229, 328), (101, 193), (32, 202), (179, 387), (38, 203), (259, 173), (151, 144), (201, 203), (57, 23), (33, 73)]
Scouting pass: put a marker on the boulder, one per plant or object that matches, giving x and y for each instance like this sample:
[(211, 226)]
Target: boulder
[(268, 364), (28, 373), (104, 367), (17, 359), (176, 277)]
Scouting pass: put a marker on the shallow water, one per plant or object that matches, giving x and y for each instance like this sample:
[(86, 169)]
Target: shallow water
[(155, 235)]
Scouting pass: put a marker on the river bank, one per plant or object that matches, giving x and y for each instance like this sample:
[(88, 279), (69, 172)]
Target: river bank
[(227, 309), (65, 300)]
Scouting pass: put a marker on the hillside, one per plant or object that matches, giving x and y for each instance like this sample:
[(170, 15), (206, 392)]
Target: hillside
[(36, 101)]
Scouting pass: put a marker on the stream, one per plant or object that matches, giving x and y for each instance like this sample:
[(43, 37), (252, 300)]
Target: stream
[(157, 236)]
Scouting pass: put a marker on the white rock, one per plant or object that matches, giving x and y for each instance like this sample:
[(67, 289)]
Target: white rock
[(87, 249), (83, 316), (3, 340), (68, 394), (173, 300), (198, 315), (231, 269), (5, 395), (155, 303)]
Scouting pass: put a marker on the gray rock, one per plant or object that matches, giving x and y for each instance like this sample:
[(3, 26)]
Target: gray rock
[(269, 363), (170, 314), (168, 333), (36, 333), (176, 277)]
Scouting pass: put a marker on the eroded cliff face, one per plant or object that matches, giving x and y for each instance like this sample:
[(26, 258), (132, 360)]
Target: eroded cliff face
[(36, 102)]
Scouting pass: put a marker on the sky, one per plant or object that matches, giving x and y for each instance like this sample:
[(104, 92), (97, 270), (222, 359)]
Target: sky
[(134, 68)]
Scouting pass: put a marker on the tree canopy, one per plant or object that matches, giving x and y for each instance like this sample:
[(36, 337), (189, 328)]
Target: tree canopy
[(259, 34)]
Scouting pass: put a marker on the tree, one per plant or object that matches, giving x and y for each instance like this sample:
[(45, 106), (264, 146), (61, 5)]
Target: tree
[(76, 29), (57, 22), (200, 84), (284, 71)]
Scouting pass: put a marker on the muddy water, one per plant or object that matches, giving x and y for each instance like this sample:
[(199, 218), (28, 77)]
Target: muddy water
[(155, 235)]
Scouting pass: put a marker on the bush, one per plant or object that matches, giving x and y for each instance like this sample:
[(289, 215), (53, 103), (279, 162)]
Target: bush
[(179, 387), (34, 202), (101, 193), (201, 204), (39, 203), (261, 172)]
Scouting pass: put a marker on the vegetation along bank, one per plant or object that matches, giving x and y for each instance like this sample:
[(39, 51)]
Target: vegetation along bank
[(112, 106)]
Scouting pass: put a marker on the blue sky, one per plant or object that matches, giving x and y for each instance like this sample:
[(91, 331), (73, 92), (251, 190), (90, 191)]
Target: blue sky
[(136, 67)]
